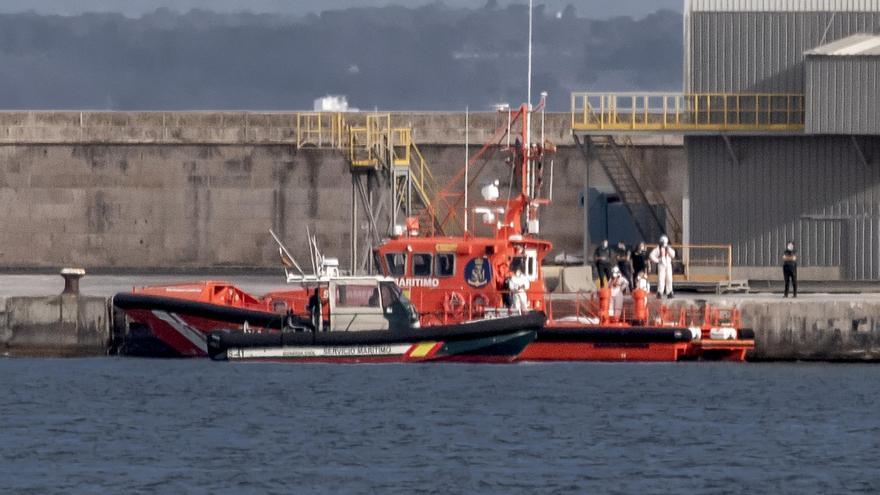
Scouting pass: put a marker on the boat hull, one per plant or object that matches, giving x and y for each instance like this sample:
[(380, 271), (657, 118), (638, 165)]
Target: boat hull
[(643, 344), (159, 326), (495, 349)]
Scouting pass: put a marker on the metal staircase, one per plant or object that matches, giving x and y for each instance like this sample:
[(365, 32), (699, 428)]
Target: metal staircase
[(380, 147), (615, 157), (383, 160)]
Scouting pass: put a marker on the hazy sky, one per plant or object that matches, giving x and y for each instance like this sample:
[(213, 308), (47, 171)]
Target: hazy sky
[(587, 8)]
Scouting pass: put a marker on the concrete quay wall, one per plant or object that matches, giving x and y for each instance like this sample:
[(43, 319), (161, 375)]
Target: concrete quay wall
[(815, 327), (809, 330), (199, 189), (54, 326)]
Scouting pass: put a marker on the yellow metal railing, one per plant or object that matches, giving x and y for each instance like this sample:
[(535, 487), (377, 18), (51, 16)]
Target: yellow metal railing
[(320, 129), (369, 146), (401, 142), (699, 263), (687, 112), (422, 178)]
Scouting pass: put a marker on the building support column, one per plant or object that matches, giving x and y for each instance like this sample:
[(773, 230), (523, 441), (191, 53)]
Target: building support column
[(585, 151)]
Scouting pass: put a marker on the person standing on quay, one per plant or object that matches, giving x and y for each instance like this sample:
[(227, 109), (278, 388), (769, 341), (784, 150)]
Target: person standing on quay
[(602, 258), (662, 256), (640, 259), (619, 286), (789, 268), (624, 262)]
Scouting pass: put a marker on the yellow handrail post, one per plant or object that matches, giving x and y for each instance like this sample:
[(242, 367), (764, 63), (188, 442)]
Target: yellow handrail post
[(665, 110), (725, 111), (632, 112), (729, 263), (709, 109)]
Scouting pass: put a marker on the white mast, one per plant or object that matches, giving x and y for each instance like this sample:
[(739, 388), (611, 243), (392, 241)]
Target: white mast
[(529, 85), (529, 95), (528, 114), (466, 160)]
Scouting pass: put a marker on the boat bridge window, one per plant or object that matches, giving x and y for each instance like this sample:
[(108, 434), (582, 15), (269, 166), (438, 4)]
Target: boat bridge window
[(528, 263), (421, 265), (358, 296), (396, 264), (445, 265)]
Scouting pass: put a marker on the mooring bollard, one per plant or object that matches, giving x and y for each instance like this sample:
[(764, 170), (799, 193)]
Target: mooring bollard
[(71, 279)]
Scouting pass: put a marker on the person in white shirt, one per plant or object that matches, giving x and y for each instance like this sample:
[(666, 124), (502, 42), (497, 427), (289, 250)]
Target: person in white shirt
[(662, 256), (619, 287), (518, 285)]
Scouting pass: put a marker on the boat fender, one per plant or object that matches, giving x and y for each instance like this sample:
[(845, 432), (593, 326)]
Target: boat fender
[(722, 333), (453, 304), (696, 333)]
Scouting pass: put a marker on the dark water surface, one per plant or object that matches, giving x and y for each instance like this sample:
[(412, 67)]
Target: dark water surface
[(153, 426)]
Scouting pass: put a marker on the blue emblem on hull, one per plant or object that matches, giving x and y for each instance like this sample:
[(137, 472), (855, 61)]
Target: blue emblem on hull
[(478, 272)]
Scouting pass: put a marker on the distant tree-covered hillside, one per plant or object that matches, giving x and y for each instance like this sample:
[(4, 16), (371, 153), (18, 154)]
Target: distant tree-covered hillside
[(432, 57)]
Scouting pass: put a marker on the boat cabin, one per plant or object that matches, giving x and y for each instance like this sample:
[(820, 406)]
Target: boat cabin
[(348, 304), (459, 278)]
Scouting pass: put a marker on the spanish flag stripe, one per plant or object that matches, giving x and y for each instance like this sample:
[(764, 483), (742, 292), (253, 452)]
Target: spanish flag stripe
[(422, 349)]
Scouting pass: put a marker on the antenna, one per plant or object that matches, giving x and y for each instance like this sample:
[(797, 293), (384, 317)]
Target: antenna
[(466, 160), (529, 96), (313, 251), (527, 117), (286, 258)]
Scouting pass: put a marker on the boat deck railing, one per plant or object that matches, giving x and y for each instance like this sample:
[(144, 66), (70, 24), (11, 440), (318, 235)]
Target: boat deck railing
[(575, 308), (687, 112)]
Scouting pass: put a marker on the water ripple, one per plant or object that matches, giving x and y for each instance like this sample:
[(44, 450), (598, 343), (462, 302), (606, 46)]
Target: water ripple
[(154, 426)]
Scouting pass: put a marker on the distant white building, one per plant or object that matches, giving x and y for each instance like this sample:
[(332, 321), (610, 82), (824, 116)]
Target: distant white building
[(333, 103)]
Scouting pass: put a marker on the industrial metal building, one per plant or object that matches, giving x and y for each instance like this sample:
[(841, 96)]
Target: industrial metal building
[(819, 186), (781, 122)]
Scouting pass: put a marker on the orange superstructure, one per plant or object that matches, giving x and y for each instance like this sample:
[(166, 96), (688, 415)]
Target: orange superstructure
[(481, 273)]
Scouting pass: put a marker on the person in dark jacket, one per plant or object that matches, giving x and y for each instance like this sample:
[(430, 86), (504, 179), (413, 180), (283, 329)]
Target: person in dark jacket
[(640, 259), (789, 268), (603, 260), (624, 262)]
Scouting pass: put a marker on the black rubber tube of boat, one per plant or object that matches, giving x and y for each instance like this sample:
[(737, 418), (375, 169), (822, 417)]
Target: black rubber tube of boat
[(209, 311), (447, 333), (615, 334)]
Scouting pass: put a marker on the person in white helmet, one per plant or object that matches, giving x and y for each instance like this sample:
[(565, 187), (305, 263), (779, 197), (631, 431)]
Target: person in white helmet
[(619, 286), (662, 256), (518, 285)]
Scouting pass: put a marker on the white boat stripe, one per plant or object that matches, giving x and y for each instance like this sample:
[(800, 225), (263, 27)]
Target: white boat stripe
[(194, 336)]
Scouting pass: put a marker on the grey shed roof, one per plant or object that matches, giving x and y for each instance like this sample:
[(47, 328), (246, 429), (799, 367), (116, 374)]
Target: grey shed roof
[(855, 45), (782, 6)]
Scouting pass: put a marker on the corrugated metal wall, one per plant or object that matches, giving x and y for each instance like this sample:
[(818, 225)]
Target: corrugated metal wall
[(781, 5), (814, 190), (761, 51), (843, 94)]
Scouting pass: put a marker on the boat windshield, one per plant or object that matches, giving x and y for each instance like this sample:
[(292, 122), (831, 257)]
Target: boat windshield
[(393, 298)]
